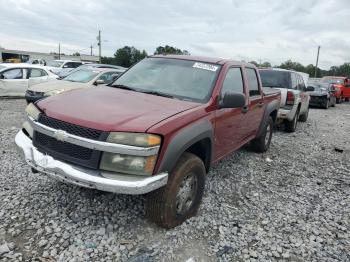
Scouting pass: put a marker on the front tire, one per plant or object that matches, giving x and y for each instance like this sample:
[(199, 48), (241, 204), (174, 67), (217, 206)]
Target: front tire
[(262, 143), (180, 199)]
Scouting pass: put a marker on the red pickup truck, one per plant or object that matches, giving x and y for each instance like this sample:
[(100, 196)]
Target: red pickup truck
[(157, 130), (341, 85)]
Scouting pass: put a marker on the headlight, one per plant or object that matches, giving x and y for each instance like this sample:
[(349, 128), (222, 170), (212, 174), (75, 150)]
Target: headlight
[(53, 92), (32, 111), (134, 139), (137, 165)]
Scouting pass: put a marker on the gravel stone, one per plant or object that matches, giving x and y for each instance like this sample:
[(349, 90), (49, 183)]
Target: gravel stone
[(290, 203)]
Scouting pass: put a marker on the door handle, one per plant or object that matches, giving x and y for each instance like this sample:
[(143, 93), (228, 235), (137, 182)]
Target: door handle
[(245, 109)]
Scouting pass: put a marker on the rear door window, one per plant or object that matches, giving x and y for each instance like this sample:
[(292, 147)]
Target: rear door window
[(233, 81), (35, 72), (252, 82)]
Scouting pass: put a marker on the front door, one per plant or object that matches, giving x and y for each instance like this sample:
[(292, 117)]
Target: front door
[(229, 127)]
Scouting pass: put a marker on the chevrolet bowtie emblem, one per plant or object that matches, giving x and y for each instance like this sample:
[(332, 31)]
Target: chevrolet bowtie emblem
[(60, 135)]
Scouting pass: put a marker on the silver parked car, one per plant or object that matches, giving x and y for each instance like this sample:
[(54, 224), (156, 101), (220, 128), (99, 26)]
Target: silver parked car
[(80, 79)]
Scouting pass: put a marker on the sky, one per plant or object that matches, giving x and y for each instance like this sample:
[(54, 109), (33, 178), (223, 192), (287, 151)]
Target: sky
[(260, 30)]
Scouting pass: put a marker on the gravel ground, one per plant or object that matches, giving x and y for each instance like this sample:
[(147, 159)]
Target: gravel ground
[(290, 204)]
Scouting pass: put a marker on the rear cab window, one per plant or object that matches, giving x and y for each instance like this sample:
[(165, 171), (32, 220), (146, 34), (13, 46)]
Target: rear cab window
[(276, 78)]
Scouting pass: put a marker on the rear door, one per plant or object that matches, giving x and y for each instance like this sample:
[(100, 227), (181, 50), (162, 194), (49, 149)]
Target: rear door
[(37, 76), (230, 127), (256, 103), (13, 82)]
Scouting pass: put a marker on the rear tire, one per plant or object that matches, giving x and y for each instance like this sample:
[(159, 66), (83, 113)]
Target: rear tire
[(262, 143), (291, 126), (303, 117), (180, 199)]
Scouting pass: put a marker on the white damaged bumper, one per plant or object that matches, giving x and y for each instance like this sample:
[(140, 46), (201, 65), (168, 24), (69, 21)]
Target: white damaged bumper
[(105, 181)]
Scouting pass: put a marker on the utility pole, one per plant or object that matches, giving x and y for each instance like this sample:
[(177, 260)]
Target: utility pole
[(99, 45), (59, 51), (318, 53), (91, 50)]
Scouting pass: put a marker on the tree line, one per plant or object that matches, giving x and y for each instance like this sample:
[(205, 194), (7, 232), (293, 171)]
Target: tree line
[(342, 70), (129, 55)]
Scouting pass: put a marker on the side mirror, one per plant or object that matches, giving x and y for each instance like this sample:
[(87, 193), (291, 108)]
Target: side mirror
[(99, 82), (310, 89), (232, 100)]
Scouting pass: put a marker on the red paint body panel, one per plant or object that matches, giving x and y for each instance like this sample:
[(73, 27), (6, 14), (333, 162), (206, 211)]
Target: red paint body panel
[(112, 109)]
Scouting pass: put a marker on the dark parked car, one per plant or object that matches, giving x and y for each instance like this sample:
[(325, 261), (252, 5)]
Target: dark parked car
[(322, 94)]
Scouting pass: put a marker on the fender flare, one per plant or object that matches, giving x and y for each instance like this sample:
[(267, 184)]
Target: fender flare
[(274, 105), (183, 140)]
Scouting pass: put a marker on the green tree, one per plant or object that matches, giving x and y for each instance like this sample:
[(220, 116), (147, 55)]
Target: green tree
[(266, 64), (167, 50), (76, 54), (254, 63), (128, 55)]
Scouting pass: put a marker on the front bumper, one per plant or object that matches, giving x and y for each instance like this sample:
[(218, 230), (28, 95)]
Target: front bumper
[(318, 100), (101, 180)]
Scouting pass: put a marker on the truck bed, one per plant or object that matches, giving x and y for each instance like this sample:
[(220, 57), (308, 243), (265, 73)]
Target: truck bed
[(268, 91)]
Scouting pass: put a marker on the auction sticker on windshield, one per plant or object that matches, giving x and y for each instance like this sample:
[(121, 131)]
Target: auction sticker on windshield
[(205, 66)]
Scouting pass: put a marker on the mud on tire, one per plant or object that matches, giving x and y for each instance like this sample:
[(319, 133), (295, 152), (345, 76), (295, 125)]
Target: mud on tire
[(165, 207)]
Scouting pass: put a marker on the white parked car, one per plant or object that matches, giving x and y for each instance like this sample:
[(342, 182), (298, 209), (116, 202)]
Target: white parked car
[(60, 66), (16, 78), (84, 78), (294, 98)]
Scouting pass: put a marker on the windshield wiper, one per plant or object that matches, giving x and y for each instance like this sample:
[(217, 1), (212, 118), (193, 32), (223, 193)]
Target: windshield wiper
[(157, 94), (124, 87)]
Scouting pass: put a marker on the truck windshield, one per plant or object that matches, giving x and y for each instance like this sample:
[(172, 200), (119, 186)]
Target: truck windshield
[(182, 79), (274, 78), (82, 76)]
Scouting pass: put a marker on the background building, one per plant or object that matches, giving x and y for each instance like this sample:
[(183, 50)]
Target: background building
[(8, 55)]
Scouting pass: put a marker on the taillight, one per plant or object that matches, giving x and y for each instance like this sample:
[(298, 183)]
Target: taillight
[(290, 98)]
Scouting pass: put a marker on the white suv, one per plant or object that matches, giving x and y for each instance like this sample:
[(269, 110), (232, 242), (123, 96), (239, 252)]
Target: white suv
[(59, 66), (294, 98)]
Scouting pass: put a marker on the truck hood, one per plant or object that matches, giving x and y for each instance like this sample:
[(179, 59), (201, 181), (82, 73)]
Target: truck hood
[(57, 85), (112, 109)]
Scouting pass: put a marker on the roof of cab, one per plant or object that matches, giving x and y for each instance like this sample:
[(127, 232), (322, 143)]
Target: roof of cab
[(204, 59)]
